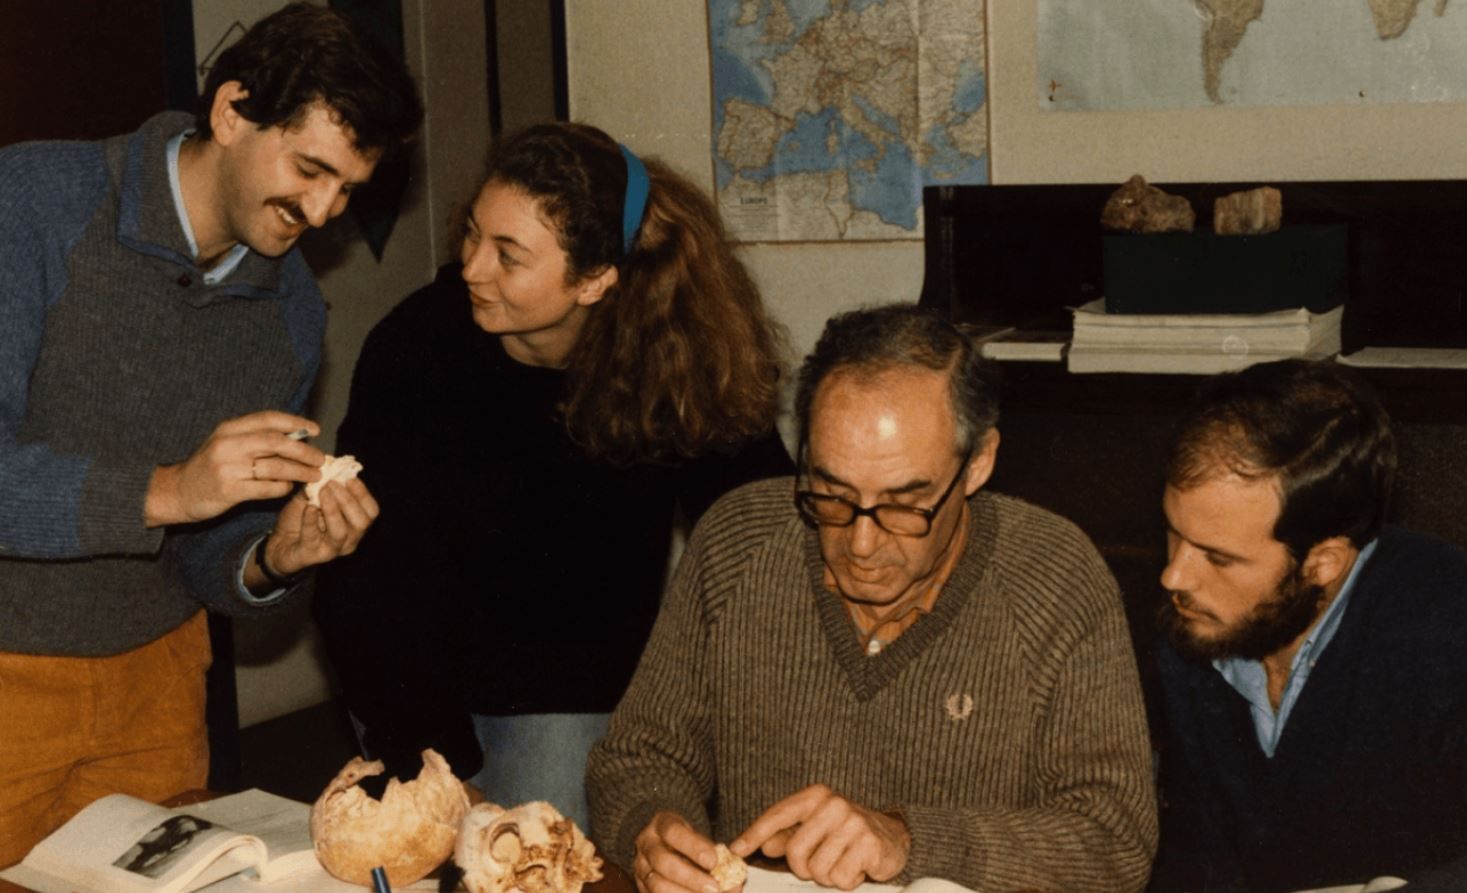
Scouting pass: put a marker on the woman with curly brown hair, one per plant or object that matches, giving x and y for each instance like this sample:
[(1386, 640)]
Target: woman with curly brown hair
[(531, 424)]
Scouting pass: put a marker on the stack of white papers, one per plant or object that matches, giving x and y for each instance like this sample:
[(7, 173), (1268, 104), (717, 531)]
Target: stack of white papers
[(1200, 344)]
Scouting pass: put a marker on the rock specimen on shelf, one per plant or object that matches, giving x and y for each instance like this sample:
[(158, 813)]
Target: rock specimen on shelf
[(1138, 207), (1248, 213)]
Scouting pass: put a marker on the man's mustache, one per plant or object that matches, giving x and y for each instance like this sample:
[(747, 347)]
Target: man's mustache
[(1185, 600), (289, 207)]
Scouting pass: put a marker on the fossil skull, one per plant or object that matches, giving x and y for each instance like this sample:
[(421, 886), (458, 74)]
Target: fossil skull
[(337, 468), (409, 832), (531, 848)]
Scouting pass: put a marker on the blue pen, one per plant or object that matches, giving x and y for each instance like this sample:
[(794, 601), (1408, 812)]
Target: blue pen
[(379, 881)]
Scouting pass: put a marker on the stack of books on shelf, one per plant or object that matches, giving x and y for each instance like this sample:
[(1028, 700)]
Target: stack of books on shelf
[(1018, 343), (1197, 343)]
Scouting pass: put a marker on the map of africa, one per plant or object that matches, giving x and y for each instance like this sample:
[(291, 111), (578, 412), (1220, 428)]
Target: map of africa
[(829, 116)]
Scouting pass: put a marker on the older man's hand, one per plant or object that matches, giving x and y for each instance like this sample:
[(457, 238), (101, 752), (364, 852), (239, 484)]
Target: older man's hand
[(828, 839), (673, 857)]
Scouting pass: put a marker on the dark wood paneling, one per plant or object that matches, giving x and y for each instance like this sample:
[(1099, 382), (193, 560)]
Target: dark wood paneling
[(1021, 255), (75, 69)]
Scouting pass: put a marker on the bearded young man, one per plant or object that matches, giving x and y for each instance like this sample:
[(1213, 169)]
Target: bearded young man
[(1316, 706), (159, 336)]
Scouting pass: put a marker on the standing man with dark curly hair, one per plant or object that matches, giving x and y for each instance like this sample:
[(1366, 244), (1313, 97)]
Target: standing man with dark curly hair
[(158, 339)]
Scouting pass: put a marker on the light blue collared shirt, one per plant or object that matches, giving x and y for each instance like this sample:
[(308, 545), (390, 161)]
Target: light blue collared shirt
[(231, 259), (1250, 680), (223, 268)]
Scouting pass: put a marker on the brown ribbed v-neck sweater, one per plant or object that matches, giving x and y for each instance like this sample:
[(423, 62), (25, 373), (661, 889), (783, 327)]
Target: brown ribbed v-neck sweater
[(1007, 725)]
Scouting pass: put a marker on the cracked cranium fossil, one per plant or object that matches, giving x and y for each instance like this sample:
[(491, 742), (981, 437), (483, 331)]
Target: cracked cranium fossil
[(409, 832), (531, 848)]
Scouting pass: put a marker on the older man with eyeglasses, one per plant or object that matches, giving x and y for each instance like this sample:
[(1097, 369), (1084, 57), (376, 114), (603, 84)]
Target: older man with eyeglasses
[(878, 679)]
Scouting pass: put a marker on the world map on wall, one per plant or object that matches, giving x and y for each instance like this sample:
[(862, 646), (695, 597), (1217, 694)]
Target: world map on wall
[(1156, 54), (829, 116), (1228, 21)]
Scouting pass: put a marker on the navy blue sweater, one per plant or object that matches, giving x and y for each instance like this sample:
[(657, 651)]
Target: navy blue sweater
[(1370, 774)]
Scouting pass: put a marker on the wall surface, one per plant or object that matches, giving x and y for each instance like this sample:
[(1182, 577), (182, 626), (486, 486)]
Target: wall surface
[(639, 69), (280, 664)]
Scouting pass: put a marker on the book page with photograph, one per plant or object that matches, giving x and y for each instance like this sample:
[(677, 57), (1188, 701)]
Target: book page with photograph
[(120, 844), (246, 841), (240, 843), (282, 826)]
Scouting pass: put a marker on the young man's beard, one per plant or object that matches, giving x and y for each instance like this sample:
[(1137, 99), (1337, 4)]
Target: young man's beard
[(1269, 627)]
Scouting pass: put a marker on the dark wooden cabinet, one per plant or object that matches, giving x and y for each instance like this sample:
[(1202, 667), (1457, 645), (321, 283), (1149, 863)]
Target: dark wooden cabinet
[(1090, 446), (1021, 255)]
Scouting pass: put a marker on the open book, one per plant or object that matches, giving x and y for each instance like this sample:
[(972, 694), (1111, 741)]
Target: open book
[(120, 844)]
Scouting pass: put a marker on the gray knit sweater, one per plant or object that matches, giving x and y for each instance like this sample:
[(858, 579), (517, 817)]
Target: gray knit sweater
[(1007, 725), (115, 357)]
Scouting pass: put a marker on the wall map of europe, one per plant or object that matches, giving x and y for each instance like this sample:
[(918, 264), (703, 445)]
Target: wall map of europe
[(831, 115)]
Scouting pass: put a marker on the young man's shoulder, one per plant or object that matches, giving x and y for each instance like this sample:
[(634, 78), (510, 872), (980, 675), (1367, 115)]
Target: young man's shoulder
[(50, 176), (1414, 586), (52, 158), (1404, 551)]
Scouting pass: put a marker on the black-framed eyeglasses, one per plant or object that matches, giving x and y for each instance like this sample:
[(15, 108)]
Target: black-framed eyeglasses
[(824, 510)]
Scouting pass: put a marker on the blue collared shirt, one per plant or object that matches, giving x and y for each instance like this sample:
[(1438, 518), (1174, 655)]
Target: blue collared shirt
[(1250, 680), (223, 268), (231, 259)]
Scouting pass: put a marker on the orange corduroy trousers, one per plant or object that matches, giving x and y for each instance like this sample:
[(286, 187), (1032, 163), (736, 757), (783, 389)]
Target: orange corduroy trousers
[(73, 729)]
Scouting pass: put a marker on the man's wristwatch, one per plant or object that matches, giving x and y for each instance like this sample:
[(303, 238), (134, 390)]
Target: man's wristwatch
[(277, 580)]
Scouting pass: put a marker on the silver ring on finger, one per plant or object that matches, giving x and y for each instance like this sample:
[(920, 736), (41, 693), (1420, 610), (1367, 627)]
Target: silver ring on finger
[(254, 469)]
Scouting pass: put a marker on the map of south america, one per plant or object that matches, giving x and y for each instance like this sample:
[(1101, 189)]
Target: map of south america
[(1228, 20)]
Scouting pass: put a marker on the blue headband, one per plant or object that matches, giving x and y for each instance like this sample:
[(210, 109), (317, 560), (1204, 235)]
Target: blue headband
[(635, 202)]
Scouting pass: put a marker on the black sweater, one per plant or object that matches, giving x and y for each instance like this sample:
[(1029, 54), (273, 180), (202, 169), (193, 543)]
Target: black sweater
[(508, 573), (1370, 775)]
